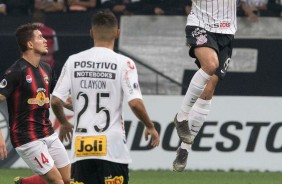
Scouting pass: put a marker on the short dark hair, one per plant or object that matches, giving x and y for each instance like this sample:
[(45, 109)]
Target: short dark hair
[(24, 33), (104, 18), (103, 23)]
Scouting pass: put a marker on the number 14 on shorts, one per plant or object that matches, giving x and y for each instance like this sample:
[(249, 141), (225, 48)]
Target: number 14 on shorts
[(41, 160)]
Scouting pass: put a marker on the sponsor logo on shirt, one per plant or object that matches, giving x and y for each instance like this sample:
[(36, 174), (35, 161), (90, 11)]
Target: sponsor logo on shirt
[(95, 65), (220, 25), (94, 74), (3, 83), (40, 98), (90, 146), (28, 79)]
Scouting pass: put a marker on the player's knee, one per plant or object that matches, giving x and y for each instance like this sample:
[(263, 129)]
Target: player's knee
[(213, 65), (210, 66)]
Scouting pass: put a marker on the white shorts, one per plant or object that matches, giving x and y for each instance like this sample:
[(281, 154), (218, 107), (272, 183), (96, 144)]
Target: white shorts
[(42, 154)]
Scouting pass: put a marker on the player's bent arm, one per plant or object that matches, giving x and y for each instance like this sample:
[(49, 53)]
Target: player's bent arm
[(57, 106), (2, 98), (66, 127), (138, 108), (68, 104), (3, 150)]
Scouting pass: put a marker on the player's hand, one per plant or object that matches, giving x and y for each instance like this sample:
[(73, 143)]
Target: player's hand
[(154, 135), (3, 149), (66, 131)]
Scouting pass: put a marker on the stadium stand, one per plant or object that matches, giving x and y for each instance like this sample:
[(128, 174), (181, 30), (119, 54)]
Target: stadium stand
[(159, 43)]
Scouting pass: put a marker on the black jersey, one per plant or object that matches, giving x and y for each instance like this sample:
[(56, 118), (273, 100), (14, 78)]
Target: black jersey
[(27, 90)]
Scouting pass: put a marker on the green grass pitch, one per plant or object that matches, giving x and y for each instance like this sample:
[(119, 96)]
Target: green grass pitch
[(169, 177)]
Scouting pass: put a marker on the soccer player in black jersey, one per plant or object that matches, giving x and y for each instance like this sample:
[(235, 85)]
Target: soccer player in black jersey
[(26, 86)]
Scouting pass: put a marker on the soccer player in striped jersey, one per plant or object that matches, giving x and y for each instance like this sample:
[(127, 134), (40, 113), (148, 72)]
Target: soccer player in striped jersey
[(210, 30), (98, 80), (26, 86)]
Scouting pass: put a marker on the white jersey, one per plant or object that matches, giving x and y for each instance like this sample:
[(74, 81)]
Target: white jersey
[(218, 16), (98, 80)]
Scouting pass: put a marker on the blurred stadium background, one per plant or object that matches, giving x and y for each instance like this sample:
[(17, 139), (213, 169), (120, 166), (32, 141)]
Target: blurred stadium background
[(243, 131)]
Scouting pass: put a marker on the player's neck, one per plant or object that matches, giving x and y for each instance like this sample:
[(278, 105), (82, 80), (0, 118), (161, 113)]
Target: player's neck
[(109, 45), (32, 58)]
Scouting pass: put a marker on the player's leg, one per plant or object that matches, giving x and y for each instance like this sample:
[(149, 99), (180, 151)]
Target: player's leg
[(201, 108), (37, 157), (65, 173), (60, 157), (208, 60), (53, 176), (197, 117), (204, 48)]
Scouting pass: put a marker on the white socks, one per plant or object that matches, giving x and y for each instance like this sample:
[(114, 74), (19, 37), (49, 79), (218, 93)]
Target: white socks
[(197, 117), (186, 146), (195, 89)]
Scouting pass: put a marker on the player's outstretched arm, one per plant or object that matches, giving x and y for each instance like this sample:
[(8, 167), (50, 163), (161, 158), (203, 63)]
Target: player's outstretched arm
[(138, 108)]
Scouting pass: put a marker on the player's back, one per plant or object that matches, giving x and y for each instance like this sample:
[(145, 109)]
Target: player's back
[(96, 84), (99, 81)]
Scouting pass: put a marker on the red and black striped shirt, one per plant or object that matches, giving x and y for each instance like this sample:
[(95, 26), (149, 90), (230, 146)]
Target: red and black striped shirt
[(27, 90)]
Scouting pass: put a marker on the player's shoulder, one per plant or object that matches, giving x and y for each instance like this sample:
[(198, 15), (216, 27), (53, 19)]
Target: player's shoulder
[(124, 59), (15, 70), (16, 67)]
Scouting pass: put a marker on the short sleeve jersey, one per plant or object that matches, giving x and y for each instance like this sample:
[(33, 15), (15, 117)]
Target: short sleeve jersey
[(217, 16), (98, 80), (27, 90)]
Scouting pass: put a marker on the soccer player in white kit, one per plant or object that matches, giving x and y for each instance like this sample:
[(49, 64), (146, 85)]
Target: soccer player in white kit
[(210, 30), (98, 80)]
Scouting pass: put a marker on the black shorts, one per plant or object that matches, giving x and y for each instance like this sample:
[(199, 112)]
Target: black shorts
[(94, 171), (221, 43)]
